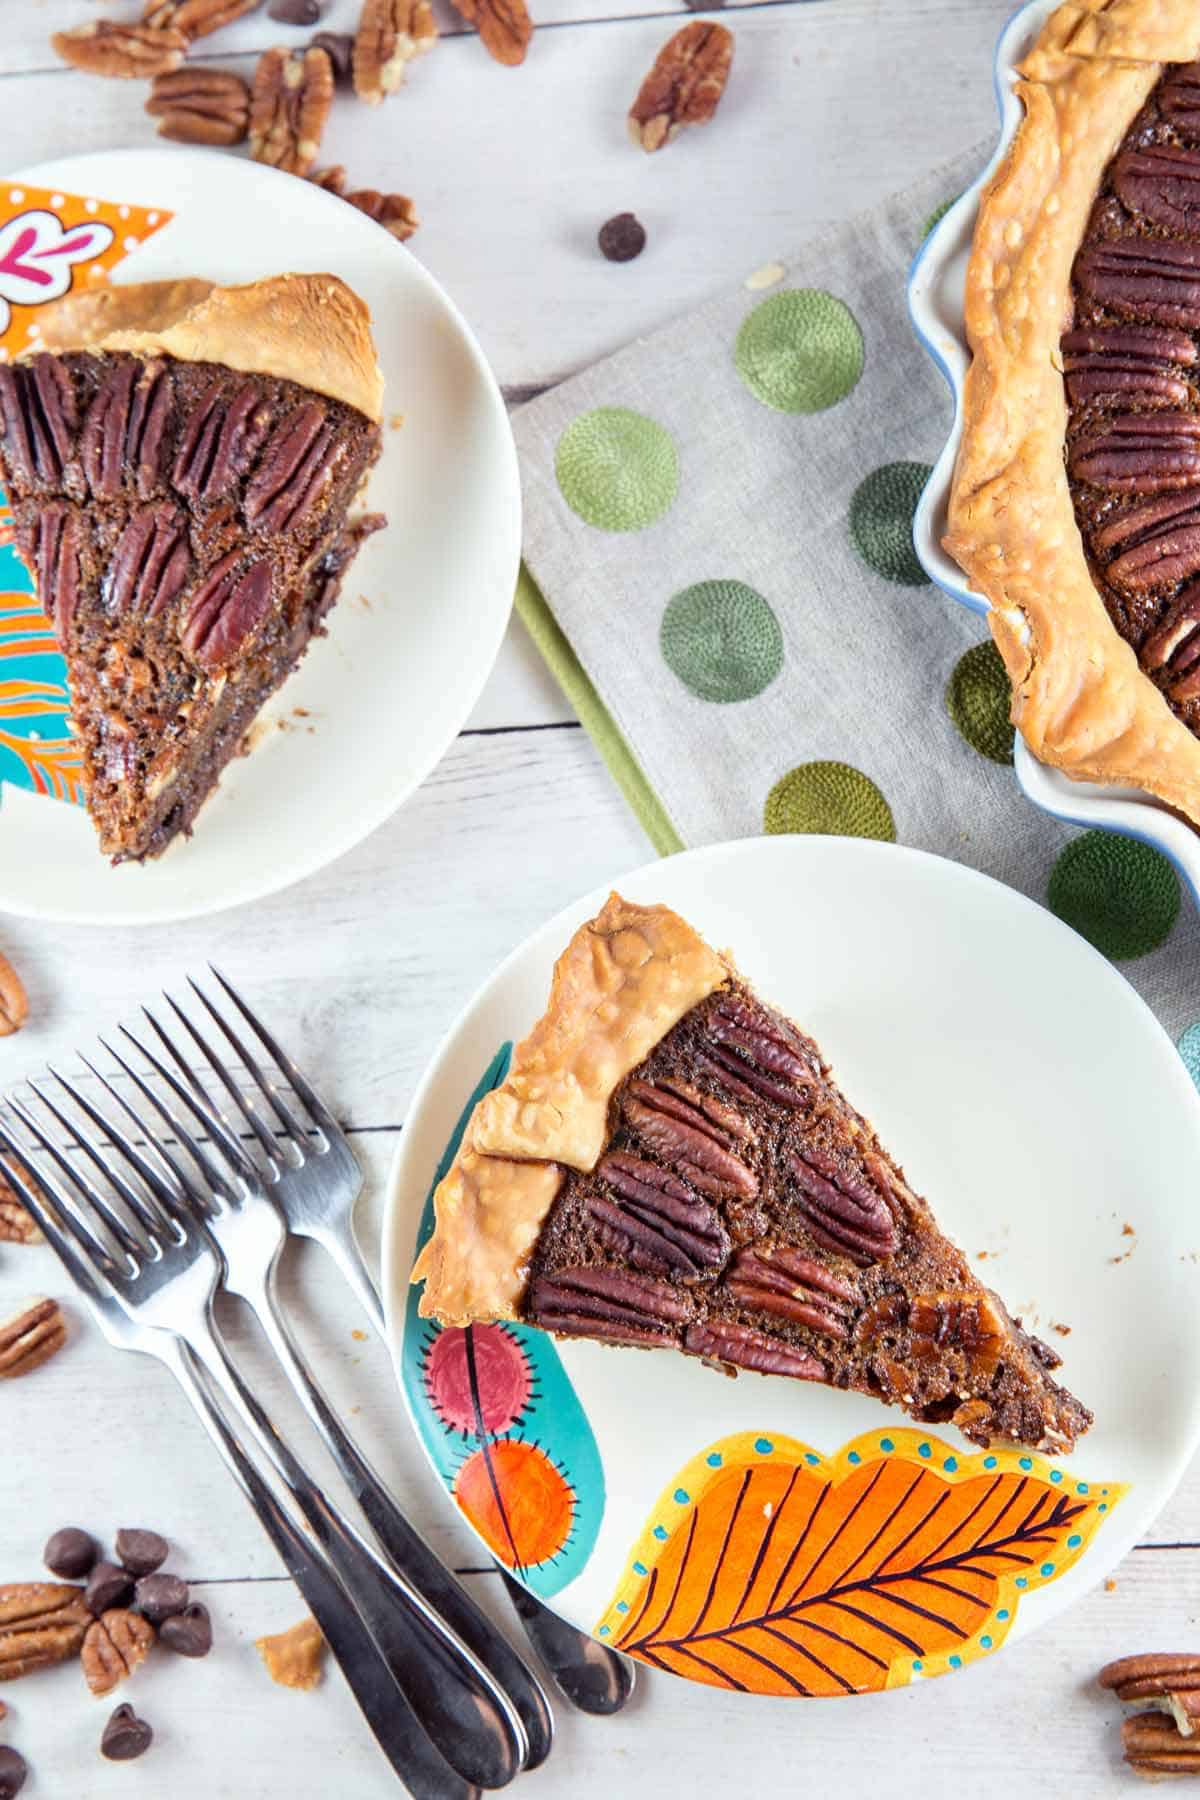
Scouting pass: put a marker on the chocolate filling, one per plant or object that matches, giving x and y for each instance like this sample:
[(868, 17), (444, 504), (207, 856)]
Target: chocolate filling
[(186, 525), (743, 1212)]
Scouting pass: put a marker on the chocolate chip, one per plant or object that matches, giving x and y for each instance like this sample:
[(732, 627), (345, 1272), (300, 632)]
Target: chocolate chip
[(141, 1552), (622, 238), (70, 1554), (295, 12), (158, 1596), (107, 1585), (13, 1770), (188, 1633), (125, 1736), (339, 48)]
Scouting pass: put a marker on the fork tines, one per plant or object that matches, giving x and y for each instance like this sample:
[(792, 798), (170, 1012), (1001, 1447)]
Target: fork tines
[(162, 1144)]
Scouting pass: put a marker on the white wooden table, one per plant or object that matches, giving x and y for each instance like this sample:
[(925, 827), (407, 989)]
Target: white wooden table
[(832, 104)]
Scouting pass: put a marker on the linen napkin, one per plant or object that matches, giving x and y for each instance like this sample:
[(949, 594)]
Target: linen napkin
[(719, 569)]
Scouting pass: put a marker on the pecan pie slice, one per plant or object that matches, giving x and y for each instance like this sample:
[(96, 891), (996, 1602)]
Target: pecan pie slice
[(1076, 502), (669, 1164), (181, 460)]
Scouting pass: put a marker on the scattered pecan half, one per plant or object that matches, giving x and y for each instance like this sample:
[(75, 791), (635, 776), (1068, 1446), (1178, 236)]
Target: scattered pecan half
[(1153, 1747), (395, 212), (791, 1285), (390, 33), (504, 26), (654, 1219), (41, 1623), (114, 1646), (293, 1658), (1168, 1681), (289, 104), (195, 18), (740, 1346), (685, 85), (31, 1337), (200, 106), (607, 1303), (16, 1226), (133, 52), (14, 1007)]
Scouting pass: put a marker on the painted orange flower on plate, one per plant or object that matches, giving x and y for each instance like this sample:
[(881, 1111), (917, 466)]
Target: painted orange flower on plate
[(770, 1569)]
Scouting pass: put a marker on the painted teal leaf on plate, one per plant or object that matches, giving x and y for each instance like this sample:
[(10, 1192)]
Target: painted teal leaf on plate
[(37, 750), (503, 1426)]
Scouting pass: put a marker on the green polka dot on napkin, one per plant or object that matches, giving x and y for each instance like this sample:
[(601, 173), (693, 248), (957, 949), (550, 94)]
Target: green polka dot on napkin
[(979, 698), (722, 640), (881, 521), (617, 469), (1121, 895), (800, 351), (830, 798)]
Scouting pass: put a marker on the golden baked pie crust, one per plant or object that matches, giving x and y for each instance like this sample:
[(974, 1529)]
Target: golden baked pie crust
[(1080, 698), (624, 980), (311, 329)]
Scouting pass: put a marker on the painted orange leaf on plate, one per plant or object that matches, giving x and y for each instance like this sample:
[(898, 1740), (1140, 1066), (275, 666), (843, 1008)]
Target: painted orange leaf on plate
[(770, 1569)]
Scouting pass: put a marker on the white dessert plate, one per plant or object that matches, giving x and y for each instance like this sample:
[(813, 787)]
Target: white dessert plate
[(1036, 1101), (935, 299), (413, 637)]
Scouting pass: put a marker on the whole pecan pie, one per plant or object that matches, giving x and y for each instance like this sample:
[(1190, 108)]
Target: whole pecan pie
[(1076, 500), (669, 1164), (181, 460)]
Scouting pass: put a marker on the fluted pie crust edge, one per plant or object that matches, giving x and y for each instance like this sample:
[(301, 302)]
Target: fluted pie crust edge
[(625, 979), (1080, 699), (310, 329)]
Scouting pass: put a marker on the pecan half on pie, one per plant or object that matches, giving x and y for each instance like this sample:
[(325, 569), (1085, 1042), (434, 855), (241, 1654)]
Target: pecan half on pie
[(181, 460), (669, 1164), (1076, 501)]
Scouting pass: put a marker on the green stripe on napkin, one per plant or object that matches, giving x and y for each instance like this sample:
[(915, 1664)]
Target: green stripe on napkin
[(595, 717)]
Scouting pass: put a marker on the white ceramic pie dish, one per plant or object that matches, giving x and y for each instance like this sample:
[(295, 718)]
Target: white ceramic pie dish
[(935, 301)]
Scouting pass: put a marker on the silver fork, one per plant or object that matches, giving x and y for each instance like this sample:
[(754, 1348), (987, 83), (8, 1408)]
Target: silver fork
[(250, 1234), (171, 1275), (316, 1190), (394, 1724)]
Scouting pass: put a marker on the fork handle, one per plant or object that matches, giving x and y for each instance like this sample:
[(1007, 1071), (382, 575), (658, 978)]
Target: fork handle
[(397, 1730), (406, 1550), (470, 1720)]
